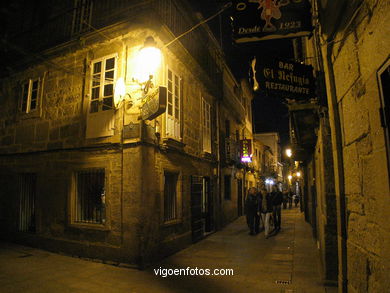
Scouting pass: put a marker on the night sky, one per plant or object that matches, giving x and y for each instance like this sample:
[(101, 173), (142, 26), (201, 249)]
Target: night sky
[(270, 113)]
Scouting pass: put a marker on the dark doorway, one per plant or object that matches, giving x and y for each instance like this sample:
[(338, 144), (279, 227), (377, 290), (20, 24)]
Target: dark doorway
[(239, 197), (208, 205), (202, 207)]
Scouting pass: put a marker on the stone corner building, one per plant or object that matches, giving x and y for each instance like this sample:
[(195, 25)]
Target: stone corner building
[(80, 171)]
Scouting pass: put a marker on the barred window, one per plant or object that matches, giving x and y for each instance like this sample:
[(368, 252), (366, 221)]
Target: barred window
[(27, 188), (90, 196), (170, 196)]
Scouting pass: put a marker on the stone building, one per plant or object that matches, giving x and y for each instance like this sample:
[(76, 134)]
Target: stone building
[(346, 157), (92, 162)]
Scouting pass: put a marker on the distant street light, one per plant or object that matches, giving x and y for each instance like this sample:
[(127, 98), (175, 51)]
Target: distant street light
[(288, 153)]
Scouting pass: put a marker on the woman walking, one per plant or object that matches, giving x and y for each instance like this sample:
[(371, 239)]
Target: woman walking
[(266, 209)]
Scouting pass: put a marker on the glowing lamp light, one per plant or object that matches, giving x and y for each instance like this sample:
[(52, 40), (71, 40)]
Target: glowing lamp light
[(148, 61), (120, 91), (289, 177), (269, 181), (298, 174), (288, 153)]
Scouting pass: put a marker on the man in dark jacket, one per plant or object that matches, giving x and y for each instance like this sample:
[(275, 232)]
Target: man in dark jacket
[(277, 200), (252, 211)]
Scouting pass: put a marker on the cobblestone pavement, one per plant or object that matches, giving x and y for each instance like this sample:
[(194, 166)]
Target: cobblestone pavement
[(286, 262)]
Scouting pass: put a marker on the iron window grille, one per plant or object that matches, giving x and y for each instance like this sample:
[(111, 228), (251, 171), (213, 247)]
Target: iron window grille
[(170, 196), (90, 196), (27, 190)]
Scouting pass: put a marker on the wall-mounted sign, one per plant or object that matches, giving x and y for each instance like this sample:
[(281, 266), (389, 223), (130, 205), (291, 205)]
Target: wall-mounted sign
[(246, 150), (257, 20), (155, 103), (283, 78)]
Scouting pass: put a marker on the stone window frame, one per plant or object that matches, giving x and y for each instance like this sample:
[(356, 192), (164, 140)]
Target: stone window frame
[(73, 199)]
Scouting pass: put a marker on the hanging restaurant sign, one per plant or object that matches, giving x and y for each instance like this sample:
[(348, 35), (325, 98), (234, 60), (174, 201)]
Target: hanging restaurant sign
[(155, 104), (246, 150), (283, 78), (257, 20)]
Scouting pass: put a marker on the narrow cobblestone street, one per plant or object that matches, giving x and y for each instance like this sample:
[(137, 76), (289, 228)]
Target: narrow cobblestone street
[(286, 262)]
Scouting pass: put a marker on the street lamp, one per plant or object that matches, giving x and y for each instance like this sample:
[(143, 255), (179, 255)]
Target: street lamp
[(298, 174), (147, 63), (288, 153)]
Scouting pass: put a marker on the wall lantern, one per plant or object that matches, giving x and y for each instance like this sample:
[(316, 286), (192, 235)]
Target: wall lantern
[(147, 63)]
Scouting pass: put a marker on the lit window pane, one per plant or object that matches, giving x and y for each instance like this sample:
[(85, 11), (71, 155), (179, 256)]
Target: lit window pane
[(94, 106), (97, 67), (95, 93), (109, 76), (107, 104), (108, 90), (110, 63)]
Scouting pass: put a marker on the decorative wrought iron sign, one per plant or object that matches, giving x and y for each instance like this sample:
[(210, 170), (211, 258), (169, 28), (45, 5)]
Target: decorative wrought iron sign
[(155, 104), (257, 20), (246, 150), (284, 78)]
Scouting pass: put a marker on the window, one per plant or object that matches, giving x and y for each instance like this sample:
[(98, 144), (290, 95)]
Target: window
[(27, 187), (102, 84), (227, 128), (173, 105), (90, 196), (206, 126), (383, 76), (81, 16), (170, 196), (227, 185), (30, 96)]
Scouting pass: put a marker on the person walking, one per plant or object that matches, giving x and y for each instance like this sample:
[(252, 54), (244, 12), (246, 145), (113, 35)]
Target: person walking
[(277, 199), (265, 209), (290, 198), (252, 204)]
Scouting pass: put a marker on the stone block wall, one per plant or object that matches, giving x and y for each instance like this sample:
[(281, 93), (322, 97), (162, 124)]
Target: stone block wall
[(356, 59)]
